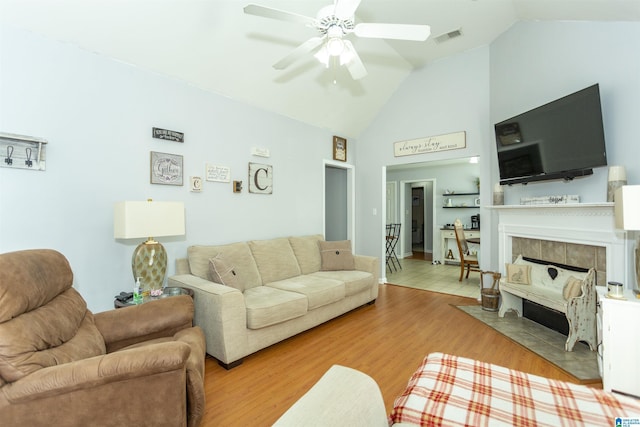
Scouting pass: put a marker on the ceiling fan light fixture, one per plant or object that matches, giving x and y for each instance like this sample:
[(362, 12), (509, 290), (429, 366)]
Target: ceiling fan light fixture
[(335, 46), (323, 56)]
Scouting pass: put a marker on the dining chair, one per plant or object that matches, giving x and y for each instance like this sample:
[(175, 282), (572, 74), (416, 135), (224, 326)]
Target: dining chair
[(466, 259)]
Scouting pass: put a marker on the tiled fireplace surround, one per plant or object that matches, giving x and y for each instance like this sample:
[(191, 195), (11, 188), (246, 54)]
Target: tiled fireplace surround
[(581, 235)]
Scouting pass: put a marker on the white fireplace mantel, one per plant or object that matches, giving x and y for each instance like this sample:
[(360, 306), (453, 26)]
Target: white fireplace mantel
[(582, 223)]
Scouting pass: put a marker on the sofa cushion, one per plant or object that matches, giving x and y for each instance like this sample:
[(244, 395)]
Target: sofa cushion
[(336, 255), (268, 306), (354, 281), (275, 259), (236, 254), (307, 252), (222, 271), (318, 290)]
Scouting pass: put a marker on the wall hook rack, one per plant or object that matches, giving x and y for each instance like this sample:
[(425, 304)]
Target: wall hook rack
[(22, 152)]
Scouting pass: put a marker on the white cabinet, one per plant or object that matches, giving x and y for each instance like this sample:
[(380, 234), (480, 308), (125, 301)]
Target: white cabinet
[(619, 342)]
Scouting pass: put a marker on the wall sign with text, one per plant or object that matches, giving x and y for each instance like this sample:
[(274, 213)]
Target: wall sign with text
[(169, 135), (218, 173), (431, 144)]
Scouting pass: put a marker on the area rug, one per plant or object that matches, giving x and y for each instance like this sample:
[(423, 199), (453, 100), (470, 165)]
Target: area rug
[(582, 363)]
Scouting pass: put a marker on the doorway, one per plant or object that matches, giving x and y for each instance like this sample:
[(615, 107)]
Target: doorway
[(421, 220), (338, 210), (419, 217), (455, 174)]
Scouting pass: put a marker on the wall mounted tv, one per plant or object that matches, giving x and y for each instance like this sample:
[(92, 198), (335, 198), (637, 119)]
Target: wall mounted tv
[(563, 139)]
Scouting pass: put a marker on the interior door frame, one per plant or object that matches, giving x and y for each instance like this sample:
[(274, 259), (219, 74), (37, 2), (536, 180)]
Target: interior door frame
[(404, 207), (351, 202)]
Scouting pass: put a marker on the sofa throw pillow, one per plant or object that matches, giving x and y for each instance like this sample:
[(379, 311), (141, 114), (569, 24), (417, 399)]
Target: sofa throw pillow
[(519, 273), (572, 288), (222, 271), (336, 255)]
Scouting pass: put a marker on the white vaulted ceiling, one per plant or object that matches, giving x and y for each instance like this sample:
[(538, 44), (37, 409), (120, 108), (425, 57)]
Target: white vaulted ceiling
[(213, 45)]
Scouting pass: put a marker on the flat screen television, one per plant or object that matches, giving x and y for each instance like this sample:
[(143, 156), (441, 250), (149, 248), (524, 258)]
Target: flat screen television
[(563, 139)]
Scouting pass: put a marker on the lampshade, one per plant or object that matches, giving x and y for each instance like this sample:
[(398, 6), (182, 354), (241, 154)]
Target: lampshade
[(627, 213), (627, 207), (148, 219)]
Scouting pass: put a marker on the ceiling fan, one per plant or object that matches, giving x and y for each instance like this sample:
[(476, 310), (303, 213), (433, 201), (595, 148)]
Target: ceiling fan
[(333, 23)]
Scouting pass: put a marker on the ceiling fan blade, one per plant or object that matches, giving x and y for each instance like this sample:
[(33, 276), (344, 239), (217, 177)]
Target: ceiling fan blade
[(345, 9), (354, 64), (393, 31), (298, 52), (267, 12)]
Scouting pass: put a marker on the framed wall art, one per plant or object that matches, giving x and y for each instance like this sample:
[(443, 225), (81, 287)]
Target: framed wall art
[(260, 178), (339, 149), (166, 168)]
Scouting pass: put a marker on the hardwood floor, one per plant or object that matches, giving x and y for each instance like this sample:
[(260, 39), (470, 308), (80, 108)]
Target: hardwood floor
[(387, 340)]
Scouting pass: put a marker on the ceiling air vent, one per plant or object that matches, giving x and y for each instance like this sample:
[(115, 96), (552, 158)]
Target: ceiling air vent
[(448, 36)]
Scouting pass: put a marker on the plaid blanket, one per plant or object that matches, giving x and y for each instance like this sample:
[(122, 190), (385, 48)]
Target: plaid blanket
[(454, 391)]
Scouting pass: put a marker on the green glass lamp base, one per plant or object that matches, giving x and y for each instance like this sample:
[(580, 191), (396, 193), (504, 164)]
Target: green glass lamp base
[(149, 263)]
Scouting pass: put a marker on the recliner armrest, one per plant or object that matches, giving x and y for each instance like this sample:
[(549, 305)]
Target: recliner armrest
[(99, 370), (155, 319)]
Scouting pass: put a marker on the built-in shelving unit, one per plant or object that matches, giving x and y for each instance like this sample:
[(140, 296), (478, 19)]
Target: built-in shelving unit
[(473, 204)]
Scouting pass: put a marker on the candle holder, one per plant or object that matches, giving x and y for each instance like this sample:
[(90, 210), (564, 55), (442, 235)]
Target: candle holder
[(498, 195), (617, 178)]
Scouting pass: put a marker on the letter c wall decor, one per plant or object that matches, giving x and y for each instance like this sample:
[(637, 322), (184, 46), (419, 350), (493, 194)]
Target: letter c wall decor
[(260, 178)]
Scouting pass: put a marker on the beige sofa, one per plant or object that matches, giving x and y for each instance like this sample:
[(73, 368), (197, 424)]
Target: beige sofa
[(250, 295)]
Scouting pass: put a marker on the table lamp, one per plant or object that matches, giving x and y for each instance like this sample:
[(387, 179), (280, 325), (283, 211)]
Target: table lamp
[(148, 219), (627, 214)]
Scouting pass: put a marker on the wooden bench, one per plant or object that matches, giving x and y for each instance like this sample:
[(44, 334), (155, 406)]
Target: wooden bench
[(578, 304)]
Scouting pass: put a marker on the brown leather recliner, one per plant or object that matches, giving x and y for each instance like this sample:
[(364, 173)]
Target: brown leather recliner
[(61, 365)]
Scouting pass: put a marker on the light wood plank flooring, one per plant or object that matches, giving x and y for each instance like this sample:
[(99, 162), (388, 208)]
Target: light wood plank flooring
[(387, 341)]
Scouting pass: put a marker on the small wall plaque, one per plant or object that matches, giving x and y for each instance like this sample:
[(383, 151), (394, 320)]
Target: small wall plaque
[(218, 173), (169, 135), (196, 184), (339, 149)]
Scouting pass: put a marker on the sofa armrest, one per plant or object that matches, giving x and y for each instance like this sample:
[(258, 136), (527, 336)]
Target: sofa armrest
[(221, 313), (155, 319), (343, 396), (98, 371), (368, 264)]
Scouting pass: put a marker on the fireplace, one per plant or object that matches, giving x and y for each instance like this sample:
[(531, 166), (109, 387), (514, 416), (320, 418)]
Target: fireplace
[(581, 235)]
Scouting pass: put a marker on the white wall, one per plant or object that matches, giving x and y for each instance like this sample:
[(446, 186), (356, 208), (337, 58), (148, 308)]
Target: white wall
[(537, 62), (532, 63), (97, 115)]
